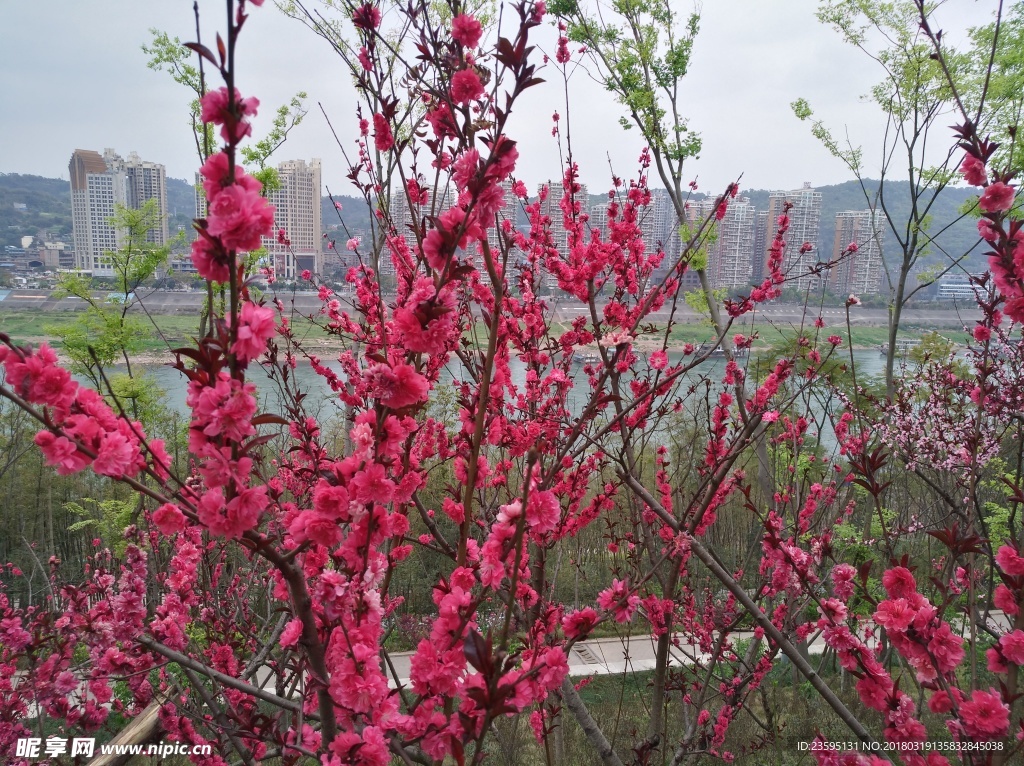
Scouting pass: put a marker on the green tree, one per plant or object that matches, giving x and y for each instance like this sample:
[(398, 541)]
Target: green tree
[(995, 78), (916, 99), (166, 53), (109, 330)]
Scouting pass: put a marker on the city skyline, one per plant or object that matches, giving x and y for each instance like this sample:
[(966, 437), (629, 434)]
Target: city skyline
[(735, 252), (748, 127)]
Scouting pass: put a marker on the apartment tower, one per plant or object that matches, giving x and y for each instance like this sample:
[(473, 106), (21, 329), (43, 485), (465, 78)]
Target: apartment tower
[(730, 248), (858, 273), (99, 183), (804, 223), (297, 210)]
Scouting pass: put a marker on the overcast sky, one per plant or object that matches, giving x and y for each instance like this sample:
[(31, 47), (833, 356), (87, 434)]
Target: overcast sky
[(72, 75)]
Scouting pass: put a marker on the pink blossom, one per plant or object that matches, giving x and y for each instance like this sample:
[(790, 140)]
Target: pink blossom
[(1010, 561), (466, 86), (255, 327), (353, 244), (316, 527), (981, 333), (946, 648), (543, 512), (404, 387), (169, 519), (658, 360), (61, 452), (619, 600), (985, 716), (995, 661), (875, 691), (291, 634), (940, 701), (466, 30), (894, 615), (225, 408), (428, 318), (617, 337), (331, 500), (383, 139), (116, 456), (240, 217), (215, 176), (214, 514), (997, 198), (13, 635), (371, 485), (899, 583), (553, 669), (210, 259), (987, 230), (366, 17), (579, 624), (1005, 600), (1012, 645), (49, 384), (364, 59), (215, 109), (973, 170), (562, 56)]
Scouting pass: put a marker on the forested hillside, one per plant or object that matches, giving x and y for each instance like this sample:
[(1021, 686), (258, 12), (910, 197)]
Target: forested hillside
[(47, 210)]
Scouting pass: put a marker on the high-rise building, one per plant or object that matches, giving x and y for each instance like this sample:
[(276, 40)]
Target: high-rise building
[(406, 220), (98, 185), (859, 273), (296, 210), (551, 207), (759, 255), (146, 181), (804, 221), (657, 221), (495, 237), (730, 251)]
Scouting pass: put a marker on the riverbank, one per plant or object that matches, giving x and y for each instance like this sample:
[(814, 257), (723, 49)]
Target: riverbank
[(176, 330)]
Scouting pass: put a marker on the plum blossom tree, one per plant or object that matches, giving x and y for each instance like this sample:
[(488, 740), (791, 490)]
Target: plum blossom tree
[(264, 634)]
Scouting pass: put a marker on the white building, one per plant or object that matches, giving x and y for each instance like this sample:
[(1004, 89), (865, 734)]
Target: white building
[(98, 185), (296, 210), (956, 287), (731, 249)]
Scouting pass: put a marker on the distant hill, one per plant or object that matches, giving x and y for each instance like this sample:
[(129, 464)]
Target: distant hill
[(46, 211), (354, 214)]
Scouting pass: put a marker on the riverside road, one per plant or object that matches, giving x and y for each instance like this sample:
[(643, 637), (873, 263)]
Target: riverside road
[(306, 302)]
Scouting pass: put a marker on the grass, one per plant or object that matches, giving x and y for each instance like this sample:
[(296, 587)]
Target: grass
[(34, 326)]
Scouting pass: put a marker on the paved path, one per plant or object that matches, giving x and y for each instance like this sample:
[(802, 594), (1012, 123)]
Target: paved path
[(615, 655), (168, 302)]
